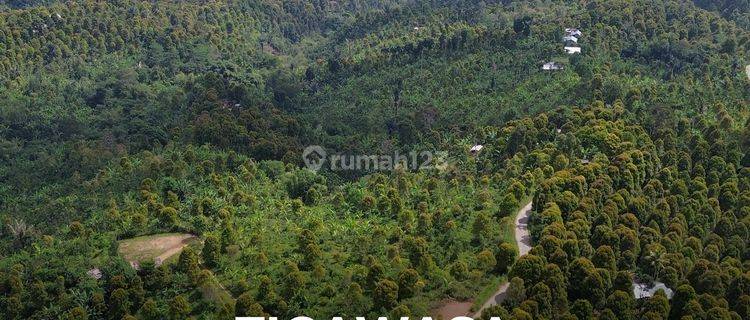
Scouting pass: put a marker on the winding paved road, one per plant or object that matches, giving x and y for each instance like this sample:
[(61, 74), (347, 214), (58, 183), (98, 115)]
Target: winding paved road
[(523, 240)]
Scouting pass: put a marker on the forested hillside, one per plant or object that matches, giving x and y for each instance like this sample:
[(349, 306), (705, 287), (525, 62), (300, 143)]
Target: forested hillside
[(739, 11), (124, 120)]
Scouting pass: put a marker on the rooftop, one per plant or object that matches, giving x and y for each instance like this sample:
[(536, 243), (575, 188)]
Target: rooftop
[(95, 273), (552, 66), (647, 290), (572, 50)]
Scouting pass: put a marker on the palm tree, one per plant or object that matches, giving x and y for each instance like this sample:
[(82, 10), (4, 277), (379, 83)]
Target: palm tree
[(658, 262), (21, 232)]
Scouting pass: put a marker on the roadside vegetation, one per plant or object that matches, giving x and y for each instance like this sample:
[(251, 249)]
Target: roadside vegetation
[(132, 130)]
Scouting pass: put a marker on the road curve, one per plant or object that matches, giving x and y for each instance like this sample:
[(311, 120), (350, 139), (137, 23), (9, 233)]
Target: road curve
[(523, 240)]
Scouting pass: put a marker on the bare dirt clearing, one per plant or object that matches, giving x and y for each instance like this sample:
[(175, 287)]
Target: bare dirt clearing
[(159, 247), (451, 308)]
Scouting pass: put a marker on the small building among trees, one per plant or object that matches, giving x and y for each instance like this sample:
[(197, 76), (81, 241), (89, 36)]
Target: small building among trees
[(573, 32), (572, 50), (475, 149), (95, 273), (647, 290), (552, 65)]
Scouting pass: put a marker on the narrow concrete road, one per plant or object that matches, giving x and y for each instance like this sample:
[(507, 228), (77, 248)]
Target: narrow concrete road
[(523, 240)]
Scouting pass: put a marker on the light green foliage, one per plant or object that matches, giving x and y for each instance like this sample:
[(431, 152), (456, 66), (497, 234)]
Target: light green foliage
[(124, 122)]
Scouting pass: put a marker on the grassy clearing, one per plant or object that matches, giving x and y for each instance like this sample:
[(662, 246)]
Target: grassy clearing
[(148, 248)]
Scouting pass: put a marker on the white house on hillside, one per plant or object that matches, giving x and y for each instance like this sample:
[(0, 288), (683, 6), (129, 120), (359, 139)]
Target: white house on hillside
[(552, 66), (570, 39), (573, 32), (572, 50), (647, 290)]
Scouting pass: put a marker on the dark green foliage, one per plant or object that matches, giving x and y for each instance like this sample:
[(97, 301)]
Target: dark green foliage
[(130, 118), (385, 294), (211, 251), (179, 308), (504, 257)]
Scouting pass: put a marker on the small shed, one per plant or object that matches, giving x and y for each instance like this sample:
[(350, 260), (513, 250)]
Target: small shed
[(573, 32), (476, 149), (585, 161), (572, 50), (552, 66), (95, 273), (570, 39), (647, 290)]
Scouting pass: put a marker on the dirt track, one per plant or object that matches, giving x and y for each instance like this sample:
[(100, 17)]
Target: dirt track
[(523, 240), (157, 247)]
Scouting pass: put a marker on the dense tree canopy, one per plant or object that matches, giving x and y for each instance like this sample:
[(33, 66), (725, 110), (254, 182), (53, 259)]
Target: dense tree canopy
[(128, 119)]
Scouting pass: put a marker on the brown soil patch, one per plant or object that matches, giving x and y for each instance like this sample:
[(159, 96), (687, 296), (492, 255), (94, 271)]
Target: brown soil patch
[(154, 247), (450, 308)]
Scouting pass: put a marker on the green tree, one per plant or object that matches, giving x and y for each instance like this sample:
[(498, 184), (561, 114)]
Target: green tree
[(188, 262), (459, 270), (505, 256), (408, 283), (150, 311), (77, 313), (353, 300), (582, 309), (385, 294), (681, 300), (400, 311), (486, 260), (495, 311), (658, 305), (246, 306), (119, 303), (228, 235), (542, 294), (211, 251), (605, 258), (179, 308), (529, 268), (622, 304), (516, 292)]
